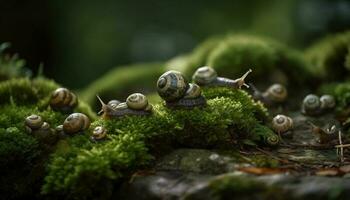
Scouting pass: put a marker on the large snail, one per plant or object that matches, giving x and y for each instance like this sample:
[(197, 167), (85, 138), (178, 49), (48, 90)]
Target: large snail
[(76, 123), (274, 95), (177, 92), (326, 134), (207, 76), (136, 104), (35, 125), (63, 100), (282, 124), (99, 133), (313, 105)]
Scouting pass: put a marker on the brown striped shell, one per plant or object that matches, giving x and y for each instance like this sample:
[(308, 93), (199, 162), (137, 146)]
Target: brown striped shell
[(34, 121), (63, 98), (193, 91), (75, 123), (99, 133)]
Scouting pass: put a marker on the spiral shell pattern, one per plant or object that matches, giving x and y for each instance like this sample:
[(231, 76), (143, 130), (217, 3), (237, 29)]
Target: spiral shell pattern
[(277, 93), (99, 133), (137, 101), (75, 123), (113, 103), (272, 140), (282, 123), (311, 104), (34, 121), (327, 102), (193, 91), (172, 86), (62, 99), (204, 75)]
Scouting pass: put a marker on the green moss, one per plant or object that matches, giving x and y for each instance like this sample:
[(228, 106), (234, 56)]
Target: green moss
[(328, 57), (270, 60), (10, 66), (122, 81)]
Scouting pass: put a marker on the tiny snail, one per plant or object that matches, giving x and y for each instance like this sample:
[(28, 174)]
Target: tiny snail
[(207, 76), (327, 102), (113, 103), (274, 95), (311, 105), (75, 123), (282, 124), (324, 135), (99, 133), (177, 92), (63, 100), (34, 122), (136, 104), (272, 140)]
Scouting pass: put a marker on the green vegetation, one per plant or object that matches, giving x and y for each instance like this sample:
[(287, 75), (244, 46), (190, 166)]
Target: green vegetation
[(330, 57)]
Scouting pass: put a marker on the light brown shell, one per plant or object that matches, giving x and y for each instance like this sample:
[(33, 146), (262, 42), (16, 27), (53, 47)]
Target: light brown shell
[(172, 86), (137, 101), (204, 75), (282, 123), (193, 91), (34, 121), (75, 123), (277, 93), (99, 133)]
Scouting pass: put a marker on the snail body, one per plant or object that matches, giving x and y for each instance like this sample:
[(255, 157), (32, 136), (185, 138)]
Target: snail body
[(136, 104), (177, 92), (99, 133), (313, 105), (63, 100), (274, 95), (207, 76), (325, 135), (282, 124), (75, 123)]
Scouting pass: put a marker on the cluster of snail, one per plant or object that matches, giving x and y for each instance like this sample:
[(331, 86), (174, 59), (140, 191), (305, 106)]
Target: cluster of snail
[(314, 105), (136, 104), (34, 124), (63, 100)]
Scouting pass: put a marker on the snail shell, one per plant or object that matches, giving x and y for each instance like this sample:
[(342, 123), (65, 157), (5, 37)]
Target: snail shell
[(113, 103), (276, 93), (193, 91), (272, 140), (34, 122), (172, 86), (137, 101), (75, 123), (327, 102), (204, 75), (282, 123), (99, 133), (63, 100), (311, 105)]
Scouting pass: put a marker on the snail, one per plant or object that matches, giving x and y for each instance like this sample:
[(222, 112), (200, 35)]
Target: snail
[(311, 105), (99, 133), (274, 95), (35, 125), (272, 140), (177, 92), (282, 124), (324, 135), (207, 76), (327, 102), (75, 123), (63, 100), (136, 104)]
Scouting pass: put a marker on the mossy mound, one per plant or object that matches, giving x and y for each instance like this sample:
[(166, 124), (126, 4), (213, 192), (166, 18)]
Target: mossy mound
[(120, 82), (133, 141), (330, 57), (23, 155), (234, 54)]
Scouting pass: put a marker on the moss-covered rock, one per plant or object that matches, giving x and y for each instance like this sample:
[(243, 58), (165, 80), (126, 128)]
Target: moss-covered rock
[(121, 81), (328, 57)]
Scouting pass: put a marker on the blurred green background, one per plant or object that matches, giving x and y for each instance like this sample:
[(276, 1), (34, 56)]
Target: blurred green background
[(78, 41)]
